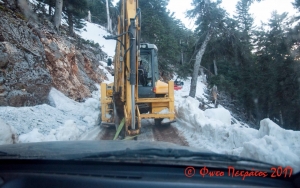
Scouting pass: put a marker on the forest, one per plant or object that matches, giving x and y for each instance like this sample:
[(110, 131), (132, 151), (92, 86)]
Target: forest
[(257, 67)]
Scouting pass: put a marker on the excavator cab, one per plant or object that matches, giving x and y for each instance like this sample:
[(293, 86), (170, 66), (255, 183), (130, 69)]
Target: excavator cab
[(147, 71)]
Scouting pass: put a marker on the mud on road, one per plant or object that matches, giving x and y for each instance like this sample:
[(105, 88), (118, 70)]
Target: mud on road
[(107, 133), (150, 132), (169, 134)]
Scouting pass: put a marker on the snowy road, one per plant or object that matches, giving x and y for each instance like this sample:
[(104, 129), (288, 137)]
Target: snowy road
[(149, 132)]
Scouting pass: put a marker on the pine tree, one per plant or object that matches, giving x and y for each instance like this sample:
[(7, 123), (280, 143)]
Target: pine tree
[(75, 10), (278, 92), (161, 28), (209, 20), (98, 11)]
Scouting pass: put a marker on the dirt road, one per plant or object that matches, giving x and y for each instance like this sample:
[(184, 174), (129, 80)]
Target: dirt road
[(150, 132)]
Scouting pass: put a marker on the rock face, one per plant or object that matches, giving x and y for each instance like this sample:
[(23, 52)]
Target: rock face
[(74, 71), (33, 58), (24, 78)]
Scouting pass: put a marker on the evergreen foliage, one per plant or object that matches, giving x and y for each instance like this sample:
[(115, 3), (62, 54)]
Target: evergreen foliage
[(160, 27), (259, 68)]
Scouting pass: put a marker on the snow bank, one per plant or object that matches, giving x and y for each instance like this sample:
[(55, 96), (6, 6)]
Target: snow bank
[(212, 129), (65, 119), (219, 114), (36, 136), (7, 136), (88, 111), (274, 145), (68, 132)]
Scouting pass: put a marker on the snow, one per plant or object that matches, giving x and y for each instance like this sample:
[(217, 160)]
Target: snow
[(6, 133), (164, 111), (213, 129), (219, 114), (165, 120), (65, 119), (95, 32), (109, 76)]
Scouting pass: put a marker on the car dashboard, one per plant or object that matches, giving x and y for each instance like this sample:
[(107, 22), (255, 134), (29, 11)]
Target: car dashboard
[(77, 173)]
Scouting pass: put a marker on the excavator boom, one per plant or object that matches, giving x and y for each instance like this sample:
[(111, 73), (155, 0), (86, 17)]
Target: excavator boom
[(137, 92)]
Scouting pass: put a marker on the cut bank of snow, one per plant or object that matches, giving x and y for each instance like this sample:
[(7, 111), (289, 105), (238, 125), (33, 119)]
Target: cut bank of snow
[(212, 129), (95, 32), (66, 119)]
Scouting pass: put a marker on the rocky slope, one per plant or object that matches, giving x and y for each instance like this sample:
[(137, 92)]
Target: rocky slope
[(34, 58)]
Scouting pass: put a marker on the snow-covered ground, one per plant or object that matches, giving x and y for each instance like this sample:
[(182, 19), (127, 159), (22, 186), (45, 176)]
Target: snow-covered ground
[(212, 129), (94, 32), (65, 119)]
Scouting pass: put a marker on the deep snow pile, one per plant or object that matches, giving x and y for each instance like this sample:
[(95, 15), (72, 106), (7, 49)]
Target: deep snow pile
[(212, 129), (65, 119)]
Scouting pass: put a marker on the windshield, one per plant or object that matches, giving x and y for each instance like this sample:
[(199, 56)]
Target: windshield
[(236, 65), (146, 63)]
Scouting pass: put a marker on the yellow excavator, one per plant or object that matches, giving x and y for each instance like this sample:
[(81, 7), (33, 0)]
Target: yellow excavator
[(136, 93)]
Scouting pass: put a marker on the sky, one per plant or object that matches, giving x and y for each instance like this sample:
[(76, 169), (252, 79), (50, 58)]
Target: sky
[(260, 11)]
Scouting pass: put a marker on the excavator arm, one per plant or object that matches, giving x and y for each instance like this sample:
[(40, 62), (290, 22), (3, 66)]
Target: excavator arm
[(126, 98)]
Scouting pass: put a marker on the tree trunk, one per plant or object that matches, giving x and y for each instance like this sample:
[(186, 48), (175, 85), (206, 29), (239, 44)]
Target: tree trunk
[(108, 18), (236, 56), (89, 17), (70, 22), (197, 65), (215, 67), (50, 9), (203, 76), (58, 13), (281, 118)]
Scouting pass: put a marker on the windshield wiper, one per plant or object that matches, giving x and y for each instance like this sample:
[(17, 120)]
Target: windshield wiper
[(176, 154), (5, 154)]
